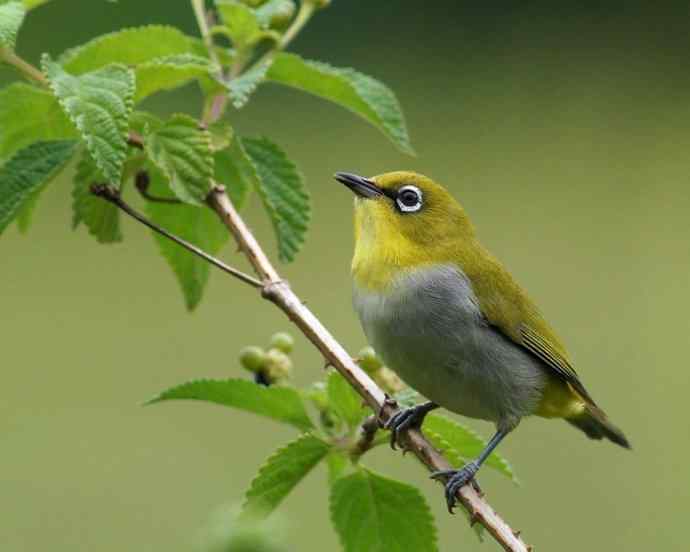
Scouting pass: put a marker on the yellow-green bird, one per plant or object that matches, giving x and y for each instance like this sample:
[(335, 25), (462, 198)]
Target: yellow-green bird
[(446, 315)]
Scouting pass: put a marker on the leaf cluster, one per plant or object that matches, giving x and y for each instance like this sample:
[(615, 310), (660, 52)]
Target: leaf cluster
[(85, 107)]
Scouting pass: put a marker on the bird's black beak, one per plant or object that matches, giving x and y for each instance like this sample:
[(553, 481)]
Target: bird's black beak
[(363, 187)]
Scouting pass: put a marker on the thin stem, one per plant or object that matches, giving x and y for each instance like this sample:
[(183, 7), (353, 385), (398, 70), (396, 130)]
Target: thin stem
[(202, 22), (111, 195), (24, 67), (306, 10), (216, 107), (366, 439)]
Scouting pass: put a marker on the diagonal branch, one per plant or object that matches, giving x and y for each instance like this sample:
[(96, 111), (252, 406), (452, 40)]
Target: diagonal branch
[(111, 195), (278, 292)]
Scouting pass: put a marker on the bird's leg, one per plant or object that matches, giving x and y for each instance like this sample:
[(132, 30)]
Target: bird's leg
[(463, 476), (408, 418)]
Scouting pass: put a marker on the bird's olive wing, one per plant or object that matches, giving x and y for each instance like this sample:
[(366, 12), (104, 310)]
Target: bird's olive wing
[(508, 308)]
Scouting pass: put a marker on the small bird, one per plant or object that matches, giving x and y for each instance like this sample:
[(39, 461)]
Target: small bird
[(444, 313)]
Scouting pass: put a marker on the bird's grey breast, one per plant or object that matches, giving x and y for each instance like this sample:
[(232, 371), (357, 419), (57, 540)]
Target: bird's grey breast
[(429, 328)]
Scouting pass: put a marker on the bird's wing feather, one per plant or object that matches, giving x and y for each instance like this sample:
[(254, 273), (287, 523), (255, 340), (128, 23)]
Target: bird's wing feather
[(508, 308)]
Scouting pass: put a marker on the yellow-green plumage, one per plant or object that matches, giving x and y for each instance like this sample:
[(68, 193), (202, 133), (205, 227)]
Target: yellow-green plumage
[(389, 243)]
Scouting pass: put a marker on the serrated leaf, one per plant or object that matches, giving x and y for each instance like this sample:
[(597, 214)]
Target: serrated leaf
[(101, 217), (29, 114), (11, 18), (241, 23), (242, 87), (337, 464), (283, 192), (168, 73), (283, 404), (374, 513), (27, 173), (281, 473), (233, 170), (464, 443), (25, 214), (99, 104), (182, 151), (361, 94), (344, 401), (198, 225), (128, 46)]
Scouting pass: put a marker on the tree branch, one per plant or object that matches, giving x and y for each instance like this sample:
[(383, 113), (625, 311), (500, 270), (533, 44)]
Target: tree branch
[(278, 292), (111, 195)]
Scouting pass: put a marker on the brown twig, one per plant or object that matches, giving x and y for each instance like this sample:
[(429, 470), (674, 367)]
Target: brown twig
[(142, 182), (366, 439), (110, 194)]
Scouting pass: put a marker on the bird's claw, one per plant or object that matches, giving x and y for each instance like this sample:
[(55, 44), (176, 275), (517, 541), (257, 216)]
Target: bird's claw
[(456, 480), (404, 420)]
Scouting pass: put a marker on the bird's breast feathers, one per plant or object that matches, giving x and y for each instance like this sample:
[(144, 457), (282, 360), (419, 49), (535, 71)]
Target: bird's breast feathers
[(427, 326)]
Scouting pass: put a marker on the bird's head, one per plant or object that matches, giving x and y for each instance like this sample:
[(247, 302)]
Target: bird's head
[(402, 220)]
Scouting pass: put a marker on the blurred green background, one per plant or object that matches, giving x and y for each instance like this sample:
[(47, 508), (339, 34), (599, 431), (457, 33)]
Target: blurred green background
[(564, 130)]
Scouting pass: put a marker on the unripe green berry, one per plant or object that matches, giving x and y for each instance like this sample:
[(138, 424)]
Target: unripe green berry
[(283, 342), (253, 358), (368, 360), (278, 365)]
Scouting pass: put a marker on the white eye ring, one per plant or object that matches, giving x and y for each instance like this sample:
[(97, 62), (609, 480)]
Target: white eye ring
[(414, 206)]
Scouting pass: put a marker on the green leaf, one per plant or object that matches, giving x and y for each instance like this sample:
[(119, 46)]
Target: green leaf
[(282, 190), (27, 115), (279, 403), (344, 401), (374, 513), (11, 18), (128, 46), (281, 473), (235, 172), (99, 104), (28, 172), (101, 217), (241, 23), (243, 86), (464, 443), (182, 151), (198, 225), (359, 93), (25, 214), (168, 73), (338, 464)]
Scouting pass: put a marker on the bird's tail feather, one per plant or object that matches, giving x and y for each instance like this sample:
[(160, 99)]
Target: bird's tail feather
[(596, 425)]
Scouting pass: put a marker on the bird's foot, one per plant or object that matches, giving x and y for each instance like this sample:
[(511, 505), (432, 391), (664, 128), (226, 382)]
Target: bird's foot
[(456, 480), (407, 419)]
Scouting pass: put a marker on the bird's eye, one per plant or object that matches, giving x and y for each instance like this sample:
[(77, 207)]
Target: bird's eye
[(409, 199)]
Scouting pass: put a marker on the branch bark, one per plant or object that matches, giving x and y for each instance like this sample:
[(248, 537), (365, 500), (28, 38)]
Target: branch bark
[(278, 292)]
